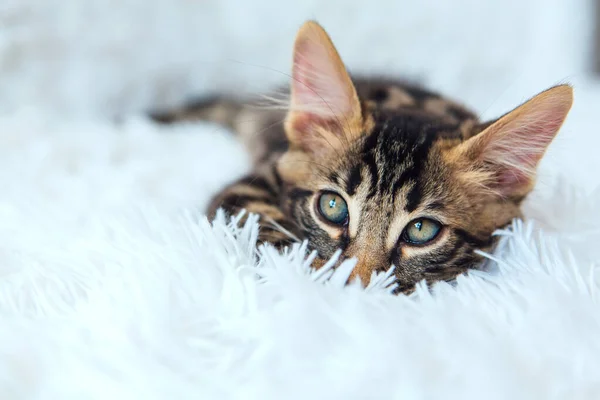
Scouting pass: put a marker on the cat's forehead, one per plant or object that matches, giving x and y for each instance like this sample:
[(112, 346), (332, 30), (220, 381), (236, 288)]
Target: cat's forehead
[(406, 128), (404, 144), (398, 166)]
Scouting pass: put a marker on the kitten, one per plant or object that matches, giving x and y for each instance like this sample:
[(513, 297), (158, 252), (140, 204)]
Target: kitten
[(385, 171)]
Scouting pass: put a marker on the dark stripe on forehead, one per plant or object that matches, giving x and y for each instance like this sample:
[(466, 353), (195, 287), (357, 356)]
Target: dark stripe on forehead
[(370, 151), (397, 151), (408, 176), (414, 196), (387, 177), (371, 140), (402, 149), (420, 155), (369, 160), (396, 188), (391, 156), (354, 179)]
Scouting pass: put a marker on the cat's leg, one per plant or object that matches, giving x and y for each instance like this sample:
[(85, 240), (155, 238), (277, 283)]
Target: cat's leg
[(262, 132), (258, 194)]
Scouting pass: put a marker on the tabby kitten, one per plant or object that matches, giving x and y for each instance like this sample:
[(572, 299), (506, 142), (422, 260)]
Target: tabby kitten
[(385, 171)]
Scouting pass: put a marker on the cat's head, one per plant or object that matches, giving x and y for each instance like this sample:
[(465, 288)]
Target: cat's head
[(396, 190)]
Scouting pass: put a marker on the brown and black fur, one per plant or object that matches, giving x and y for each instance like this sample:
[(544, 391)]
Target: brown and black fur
[(403, 163)]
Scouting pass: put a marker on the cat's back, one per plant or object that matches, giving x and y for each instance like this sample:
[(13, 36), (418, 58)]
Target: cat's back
[(260, 125), (397, 98)]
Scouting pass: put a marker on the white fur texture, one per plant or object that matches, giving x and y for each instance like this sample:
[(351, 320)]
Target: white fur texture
[(109, 291), (114, 286)]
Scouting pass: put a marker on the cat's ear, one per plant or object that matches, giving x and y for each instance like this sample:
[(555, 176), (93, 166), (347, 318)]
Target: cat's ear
[(509, 149), (324, 110)]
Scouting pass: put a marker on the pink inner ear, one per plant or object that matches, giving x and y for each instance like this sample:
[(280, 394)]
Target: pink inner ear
[(302, 81), (507, 179), (319, 88), (308, 123), (515, 149)]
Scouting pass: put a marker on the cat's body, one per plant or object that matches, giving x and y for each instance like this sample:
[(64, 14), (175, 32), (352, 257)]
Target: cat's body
[(368, 165), (261, 127)]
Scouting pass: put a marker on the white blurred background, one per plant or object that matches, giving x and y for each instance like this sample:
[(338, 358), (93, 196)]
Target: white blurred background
[(69, 67), (118, 56)]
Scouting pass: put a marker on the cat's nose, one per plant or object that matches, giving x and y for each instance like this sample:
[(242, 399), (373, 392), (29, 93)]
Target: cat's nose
[(365, 266)]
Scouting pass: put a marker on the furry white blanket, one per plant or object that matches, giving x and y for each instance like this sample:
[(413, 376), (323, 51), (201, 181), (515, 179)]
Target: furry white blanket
[(149, 301), (114, 286)]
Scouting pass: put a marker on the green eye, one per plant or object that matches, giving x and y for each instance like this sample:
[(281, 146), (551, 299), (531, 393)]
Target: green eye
[(333, 208), (421, 231)]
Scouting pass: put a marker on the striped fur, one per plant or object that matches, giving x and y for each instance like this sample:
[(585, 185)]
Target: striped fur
[(412, 157)]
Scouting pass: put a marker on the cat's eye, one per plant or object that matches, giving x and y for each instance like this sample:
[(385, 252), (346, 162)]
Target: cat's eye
[(333, 208), (421, 231)]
